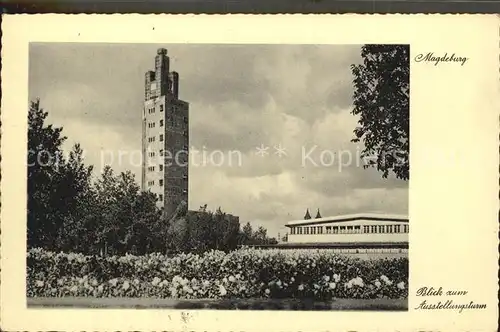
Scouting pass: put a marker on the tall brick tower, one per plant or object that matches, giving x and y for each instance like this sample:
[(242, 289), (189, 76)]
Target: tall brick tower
[(165, 136)]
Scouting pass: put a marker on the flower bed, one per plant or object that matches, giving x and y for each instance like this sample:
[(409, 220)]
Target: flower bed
[(245, 273)]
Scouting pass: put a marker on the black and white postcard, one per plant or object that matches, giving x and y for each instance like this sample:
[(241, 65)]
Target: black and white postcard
[(249, 173)]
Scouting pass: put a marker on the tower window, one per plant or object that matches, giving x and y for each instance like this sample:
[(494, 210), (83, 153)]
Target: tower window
[(161, 108), (161, 168), (161, 153), (161, 183), (161, 123), (161, 197), (161, 138)]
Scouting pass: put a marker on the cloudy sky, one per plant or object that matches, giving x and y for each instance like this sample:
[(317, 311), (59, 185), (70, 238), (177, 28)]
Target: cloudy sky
[(241, 97)]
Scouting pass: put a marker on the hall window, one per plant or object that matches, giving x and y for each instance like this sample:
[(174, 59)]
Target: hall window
[(397, 228), (381, 229), (335, 229), (374, 229), (306, 230), (328, 229), (366, 229), (320, 229), (313, 230), (389, 229), (342, 229)]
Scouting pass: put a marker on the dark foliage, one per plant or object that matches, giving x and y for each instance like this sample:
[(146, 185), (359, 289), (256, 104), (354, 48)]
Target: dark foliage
[(382, 100), (67, 211)]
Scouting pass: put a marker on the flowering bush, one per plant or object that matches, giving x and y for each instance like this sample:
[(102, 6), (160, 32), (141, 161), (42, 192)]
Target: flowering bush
[(244, 273)]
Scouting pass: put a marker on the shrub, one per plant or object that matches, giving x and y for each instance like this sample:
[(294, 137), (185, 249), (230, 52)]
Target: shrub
[(244, 273)]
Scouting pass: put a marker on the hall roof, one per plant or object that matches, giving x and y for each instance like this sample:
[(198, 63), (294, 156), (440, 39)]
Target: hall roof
[(350, 217)]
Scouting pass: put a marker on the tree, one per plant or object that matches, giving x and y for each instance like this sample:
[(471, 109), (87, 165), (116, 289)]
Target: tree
[(260, 235), (285, 238), (247, 234), (272, 241), (381, 100), (148, 229), (200, 230), (66, 211), (128, 217), (75, 198), (44, 155), (179, 228)]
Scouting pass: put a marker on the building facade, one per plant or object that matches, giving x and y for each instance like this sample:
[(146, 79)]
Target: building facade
[(356, 229), (165, 136)]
